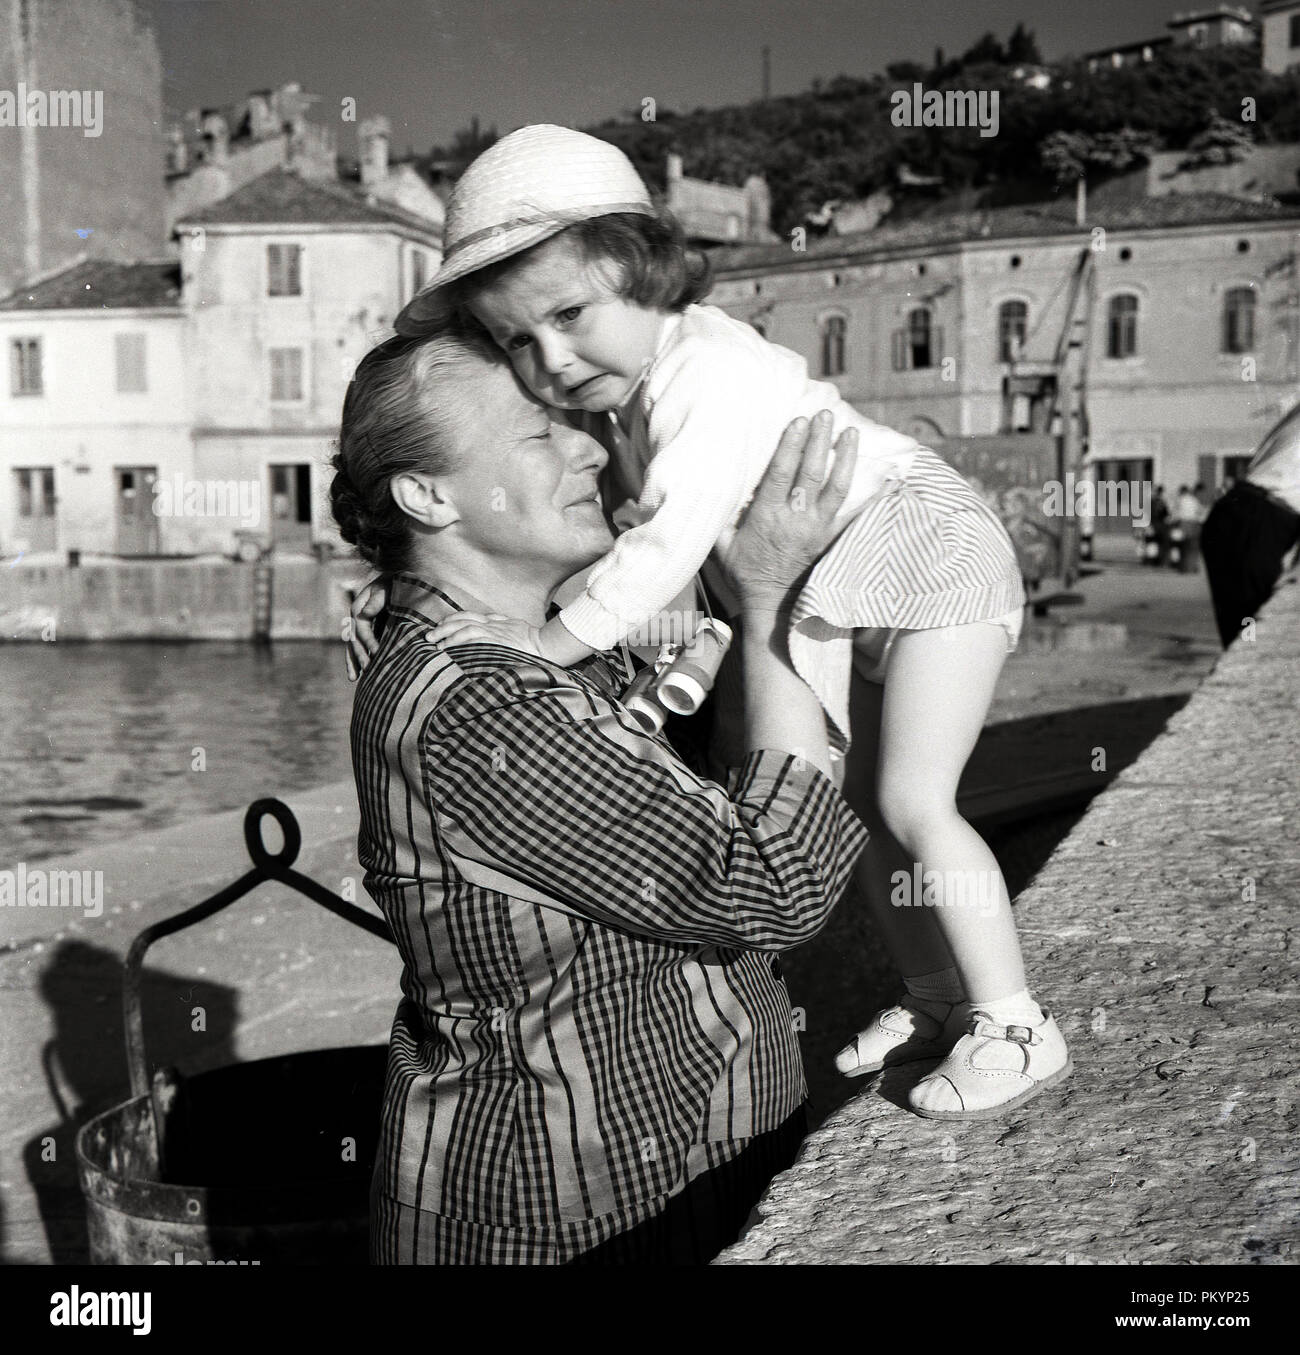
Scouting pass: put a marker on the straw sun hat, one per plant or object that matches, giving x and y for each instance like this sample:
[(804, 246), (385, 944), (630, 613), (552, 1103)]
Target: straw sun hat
[(527, 187)]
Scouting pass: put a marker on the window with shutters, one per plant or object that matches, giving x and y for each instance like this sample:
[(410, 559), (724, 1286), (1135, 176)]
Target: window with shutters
[(835, 330), (1013, 323), (1239, 320), (286, 375), (1121, 326), (284, 270), (25, 375), (919, 344), (35, 485), (130, 364), (919, 338)]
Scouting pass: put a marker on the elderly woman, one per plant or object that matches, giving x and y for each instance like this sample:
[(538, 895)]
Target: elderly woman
[(593, 1058)]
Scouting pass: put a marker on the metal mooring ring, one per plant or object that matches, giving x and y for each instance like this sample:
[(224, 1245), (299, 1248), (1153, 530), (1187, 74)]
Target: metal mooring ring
[(257, 849)]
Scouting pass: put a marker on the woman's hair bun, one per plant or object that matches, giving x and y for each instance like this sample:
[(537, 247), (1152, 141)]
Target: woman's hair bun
[(355, 521)]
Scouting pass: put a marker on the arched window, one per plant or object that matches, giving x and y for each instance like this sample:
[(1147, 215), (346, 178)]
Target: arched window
[(1239, 320), (1013, 322), (917, 344), (1122, 326), (834, 330)]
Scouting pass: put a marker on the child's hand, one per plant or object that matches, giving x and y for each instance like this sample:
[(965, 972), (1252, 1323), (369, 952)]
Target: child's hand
[(463, 628), (552, 641), (359, 630)]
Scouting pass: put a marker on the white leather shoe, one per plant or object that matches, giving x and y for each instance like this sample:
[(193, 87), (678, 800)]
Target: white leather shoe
[(902, 1034), (993, 1069)]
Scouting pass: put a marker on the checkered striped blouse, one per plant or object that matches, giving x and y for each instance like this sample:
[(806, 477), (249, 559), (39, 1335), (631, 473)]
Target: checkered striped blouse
[(587, 929)]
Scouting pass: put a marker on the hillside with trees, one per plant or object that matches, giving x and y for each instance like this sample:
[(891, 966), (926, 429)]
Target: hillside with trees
[(836, 141)]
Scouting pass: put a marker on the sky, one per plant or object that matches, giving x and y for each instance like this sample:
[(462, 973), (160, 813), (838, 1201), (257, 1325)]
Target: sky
[(432, 65)]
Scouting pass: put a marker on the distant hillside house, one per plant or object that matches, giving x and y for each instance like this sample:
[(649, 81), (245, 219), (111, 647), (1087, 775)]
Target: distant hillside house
[(227, 369), (1036, 77), (1281, 41), (1126, 54), (1212, 26), (717, 214), (947, 326)]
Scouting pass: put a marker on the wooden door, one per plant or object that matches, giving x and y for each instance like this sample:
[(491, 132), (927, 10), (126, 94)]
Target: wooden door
[(137, 523), (291, 506), (35, 524)]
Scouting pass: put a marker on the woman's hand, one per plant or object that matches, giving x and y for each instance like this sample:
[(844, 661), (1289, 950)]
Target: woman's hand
[(790, 522), (359, 629)]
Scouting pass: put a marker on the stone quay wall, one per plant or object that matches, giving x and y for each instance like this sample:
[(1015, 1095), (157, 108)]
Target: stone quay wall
[(1161, 934), (173, 600)]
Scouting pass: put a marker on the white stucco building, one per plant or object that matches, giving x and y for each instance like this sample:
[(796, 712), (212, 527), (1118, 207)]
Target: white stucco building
[(94, 402), (1280, 35), (157, 408), (947, 327)]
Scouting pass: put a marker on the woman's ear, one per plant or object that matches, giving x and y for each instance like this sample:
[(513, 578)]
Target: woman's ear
[(420, 496)]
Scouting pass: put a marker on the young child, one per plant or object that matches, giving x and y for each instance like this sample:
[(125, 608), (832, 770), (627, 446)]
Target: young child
[(555, 248)]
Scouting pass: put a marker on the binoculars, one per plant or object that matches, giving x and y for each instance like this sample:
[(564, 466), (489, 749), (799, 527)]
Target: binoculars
[(680, 678)]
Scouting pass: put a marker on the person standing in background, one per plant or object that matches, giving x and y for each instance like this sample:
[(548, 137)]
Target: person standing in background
[(1190, 514), (1249, 531), (1159, 528)]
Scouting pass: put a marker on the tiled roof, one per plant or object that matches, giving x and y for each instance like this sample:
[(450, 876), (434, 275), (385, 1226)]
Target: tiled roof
[(101, 284), (1033, 219), (278, 198)]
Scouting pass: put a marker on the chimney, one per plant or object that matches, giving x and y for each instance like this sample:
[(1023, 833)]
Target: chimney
[(674, 166), (758, 200), (178, 157), (216, 138), (1081, 202), (262, 120), (289, 105), (373, 134)]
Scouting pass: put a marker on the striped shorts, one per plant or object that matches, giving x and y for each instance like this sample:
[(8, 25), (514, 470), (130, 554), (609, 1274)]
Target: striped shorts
[(925, 553)]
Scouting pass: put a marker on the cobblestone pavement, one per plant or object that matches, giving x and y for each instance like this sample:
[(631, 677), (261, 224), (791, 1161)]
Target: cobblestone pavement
[(1161, 933)]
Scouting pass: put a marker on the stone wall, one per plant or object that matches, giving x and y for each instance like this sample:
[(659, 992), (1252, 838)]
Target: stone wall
[(1160, 932), (171, 600)]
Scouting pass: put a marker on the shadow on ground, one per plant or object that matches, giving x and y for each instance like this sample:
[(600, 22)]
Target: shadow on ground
[(84, 1065), (843, 975)]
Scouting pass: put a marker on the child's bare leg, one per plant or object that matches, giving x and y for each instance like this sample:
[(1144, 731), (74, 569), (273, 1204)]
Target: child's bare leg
[(933, 1013), (937, 692), (914, 940), (938, 689)]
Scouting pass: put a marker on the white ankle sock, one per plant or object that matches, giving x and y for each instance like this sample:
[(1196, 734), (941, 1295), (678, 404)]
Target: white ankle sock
[(938, 992), (1017, 1009)]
